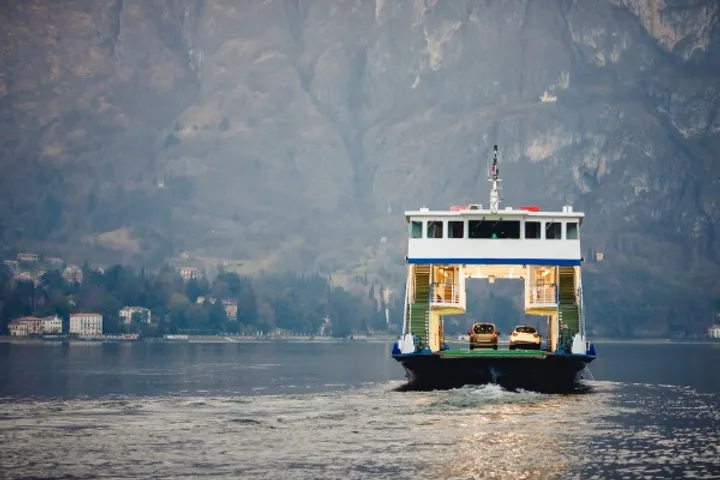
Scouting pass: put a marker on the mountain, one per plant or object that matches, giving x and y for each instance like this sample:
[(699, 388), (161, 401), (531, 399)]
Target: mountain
[(291, 134)]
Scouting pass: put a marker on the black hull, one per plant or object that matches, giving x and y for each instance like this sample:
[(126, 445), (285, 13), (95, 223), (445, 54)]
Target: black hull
[(551, 374)]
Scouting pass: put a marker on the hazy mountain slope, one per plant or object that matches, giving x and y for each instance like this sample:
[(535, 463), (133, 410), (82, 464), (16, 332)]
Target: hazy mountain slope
[(293, 133)]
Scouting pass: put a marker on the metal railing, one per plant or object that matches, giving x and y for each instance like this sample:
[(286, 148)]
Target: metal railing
[(542, 295), (443, 293), (582, 312)]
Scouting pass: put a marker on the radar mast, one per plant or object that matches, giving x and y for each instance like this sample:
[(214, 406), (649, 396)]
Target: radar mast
[(495, 183)]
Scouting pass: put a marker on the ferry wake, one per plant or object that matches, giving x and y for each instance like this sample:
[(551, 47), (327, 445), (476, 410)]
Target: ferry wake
[(540, 248)]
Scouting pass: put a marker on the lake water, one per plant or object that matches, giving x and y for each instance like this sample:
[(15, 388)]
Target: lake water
[(332, 411)]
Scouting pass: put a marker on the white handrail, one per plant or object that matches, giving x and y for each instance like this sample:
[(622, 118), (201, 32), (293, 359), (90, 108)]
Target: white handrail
[(582, 313), (444, 293), (542, 294)]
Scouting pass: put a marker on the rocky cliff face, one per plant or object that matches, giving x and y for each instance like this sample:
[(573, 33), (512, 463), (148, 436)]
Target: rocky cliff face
[(291, 134)]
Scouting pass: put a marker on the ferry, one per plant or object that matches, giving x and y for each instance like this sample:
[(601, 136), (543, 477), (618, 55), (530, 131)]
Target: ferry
[(446, 248)]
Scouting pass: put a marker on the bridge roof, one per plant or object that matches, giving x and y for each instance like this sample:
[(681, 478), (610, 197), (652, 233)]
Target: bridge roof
[(502, 213)]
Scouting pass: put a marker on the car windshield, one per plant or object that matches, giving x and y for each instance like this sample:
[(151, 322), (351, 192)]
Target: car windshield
[(483, 328), (525, 330)]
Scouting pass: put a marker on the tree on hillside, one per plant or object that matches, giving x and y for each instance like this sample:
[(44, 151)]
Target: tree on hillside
[(53, 281), (178, 306), (291, 302), (217, 318), (112, 323), (139, 317), (19, 302), (196, 288), (247, 305), (266, 317), (232, 280), (196, 317), (220, 289)]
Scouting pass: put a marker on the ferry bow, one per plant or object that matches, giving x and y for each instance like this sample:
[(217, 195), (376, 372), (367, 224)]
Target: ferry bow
[(540, 248)]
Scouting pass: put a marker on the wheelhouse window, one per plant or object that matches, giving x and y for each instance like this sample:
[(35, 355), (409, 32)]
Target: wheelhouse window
[(416, 229), (493, 229), (434, 229), (572, 231), (456, 229), (553, 231), (533, 230)]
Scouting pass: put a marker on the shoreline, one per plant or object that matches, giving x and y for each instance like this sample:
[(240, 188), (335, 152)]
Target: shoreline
[(196, 339), (214, 339)]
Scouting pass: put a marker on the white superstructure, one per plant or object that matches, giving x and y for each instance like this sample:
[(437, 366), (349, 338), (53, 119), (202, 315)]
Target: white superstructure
[(447, 247)]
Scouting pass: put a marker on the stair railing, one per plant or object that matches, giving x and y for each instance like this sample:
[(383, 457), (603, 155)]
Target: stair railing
[(409, 295), (582, 313), (406, 306)]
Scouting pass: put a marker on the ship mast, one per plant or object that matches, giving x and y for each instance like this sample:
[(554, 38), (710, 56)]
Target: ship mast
[(495, 183)]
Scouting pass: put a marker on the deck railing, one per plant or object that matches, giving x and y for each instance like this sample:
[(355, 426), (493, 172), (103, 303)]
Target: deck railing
[(443, 293), (542, 294)]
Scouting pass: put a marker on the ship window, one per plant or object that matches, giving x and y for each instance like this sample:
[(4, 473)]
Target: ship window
[(434, 229), (493, 229), (456, 229), (416, 229), (532, 229), (572, 231), (553, 231)]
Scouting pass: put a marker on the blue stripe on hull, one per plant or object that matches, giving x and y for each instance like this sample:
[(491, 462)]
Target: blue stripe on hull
[(495, 261)]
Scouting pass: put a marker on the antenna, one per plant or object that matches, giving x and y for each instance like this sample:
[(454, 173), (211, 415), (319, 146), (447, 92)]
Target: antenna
[(495, 183)]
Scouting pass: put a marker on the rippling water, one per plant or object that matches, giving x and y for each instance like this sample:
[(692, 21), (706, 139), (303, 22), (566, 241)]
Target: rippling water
[(373, 432), (364, 430)]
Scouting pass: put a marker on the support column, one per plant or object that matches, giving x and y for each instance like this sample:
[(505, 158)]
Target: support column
[(553, 331), (434, 334)]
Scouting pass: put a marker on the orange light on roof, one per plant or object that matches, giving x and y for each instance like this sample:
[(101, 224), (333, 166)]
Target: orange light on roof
[(458, 208), (530, 208)]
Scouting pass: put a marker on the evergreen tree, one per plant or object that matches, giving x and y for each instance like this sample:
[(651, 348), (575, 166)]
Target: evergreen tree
[(247, 306), (217, 316)]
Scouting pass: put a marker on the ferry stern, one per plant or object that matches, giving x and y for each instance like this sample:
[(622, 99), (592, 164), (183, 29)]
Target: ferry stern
[(446, 248)]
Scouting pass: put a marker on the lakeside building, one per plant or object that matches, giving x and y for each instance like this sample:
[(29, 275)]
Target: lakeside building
[(188, 272), (54, 262), (127, 313), (27, 257), (22, 277), (24, 326), (12, 265), (231, 306), (86, 323), (714, 331)]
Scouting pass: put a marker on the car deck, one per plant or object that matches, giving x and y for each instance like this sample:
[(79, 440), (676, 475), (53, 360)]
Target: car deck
[(462, 353)]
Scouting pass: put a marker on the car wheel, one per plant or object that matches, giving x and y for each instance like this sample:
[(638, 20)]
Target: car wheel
[(494, 347), (511, 347), (471, 347)]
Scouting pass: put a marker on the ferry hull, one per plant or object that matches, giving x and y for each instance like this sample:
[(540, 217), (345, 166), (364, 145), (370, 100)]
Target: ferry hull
[(548, 374)]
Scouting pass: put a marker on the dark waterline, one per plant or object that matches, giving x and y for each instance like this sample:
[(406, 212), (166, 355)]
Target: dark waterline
[(147, 369)]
